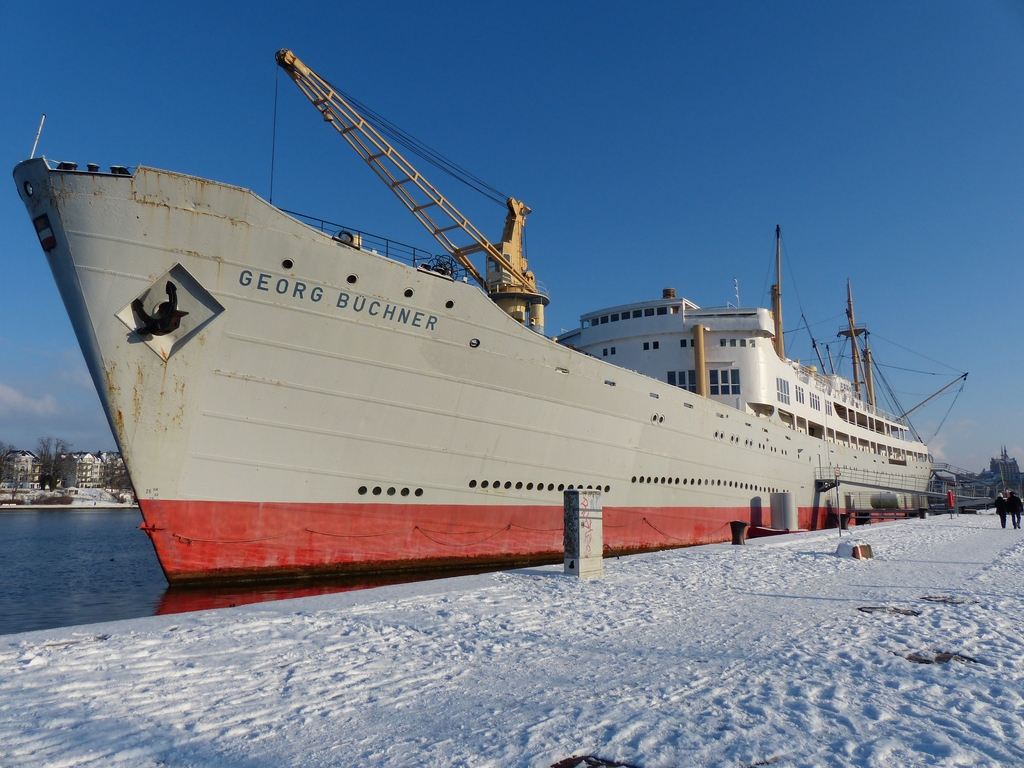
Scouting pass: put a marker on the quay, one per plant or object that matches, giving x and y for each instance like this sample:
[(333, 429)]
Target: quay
[(775, 652)]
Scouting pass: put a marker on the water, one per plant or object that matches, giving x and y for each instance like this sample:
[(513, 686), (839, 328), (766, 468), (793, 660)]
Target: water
[(61, 568)]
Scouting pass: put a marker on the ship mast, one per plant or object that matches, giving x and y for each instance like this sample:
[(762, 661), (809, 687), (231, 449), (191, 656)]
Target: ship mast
[(852, 333), (780, 342), (507, 278)]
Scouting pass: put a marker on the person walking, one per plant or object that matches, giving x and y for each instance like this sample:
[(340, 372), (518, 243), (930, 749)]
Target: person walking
[(1016, 506), (1001, 509)]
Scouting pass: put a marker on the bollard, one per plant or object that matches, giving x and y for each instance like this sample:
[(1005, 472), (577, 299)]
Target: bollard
[(583, 534), (784, 512), (739, 531)]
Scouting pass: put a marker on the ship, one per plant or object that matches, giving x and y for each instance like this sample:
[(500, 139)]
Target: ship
[(293, 399)]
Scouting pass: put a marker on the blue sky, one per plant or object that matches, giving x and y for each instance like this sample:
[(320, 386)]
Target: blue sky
[(658, 145)]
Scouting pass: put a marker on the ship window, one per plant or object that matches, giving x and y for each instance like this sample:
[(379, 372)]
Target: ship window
[(377, 491), (799, 394), (508, 484), (391, 491), (722, 343), (604, 352), (604, 319), (782, 390), (649, 312), (472, 483), (743, 342), (362, 490), (419, 492), (662, 310), (655, 345), (815, 401), (714, 383), (647, 345), (351, 279), (449, 304), (613, 350), (637, 313), (732, 342), (615, 318), (551, 486), (682, 342), (672, 378), (561, 487), (753, 343), (828, 408), (484, 484)]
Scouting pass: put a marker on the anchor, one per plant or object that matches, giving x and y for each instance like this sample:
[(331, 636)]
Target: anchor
[(164, 320)]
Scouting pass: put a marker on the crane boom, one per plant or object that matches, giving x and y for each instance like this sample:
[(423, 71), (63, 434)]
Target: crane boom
[(508, 279)]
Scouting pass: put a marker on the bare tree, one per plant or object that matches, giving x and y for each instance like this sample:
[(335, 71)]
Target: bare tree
[(6, 463), (51, 452)]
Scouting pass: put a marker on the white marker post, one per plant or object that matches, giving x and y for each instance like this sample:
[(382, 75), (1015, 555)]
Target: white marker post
[(583, 535)]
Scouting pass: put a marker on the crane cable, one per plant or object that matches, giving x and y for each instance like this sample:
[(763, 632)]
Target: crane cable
[(422, 150)]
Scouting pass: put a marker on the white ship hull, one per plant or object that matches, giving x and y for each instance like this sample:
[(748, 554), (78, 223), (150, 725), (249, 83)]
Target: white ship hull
[(324, 408)]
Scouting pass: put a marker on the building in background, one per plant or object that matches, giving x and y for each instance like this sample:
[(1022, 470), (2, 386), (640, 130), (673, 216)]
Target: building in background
[(19, 470)]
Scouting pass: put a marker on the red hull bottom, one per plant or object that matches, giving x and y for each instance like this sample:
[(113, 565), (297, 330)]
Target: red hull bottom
[(208, 540)]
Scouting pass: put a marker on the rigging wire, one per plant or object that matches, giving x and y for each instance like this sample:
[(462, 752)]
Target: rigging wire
[(910, 370), (422, 150), (273, 135), (906, 349), (948, 411)]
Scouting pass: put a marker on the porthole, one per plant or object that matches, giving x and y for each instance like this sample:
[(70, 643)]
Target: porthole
[(391, 491), (663, 481), (529, 486), (570, 488), (677, 481), (362, 490), (484, 484), (519, 486), (449, 304), (648, 479), (472, 483), (590, 488), (684, 481), (28, 189), (408, 293), (634, 478), (376, 490), (654, 418), (351, 279), (698, 481), (287, 264), (661, 419), (655, 481), (561, 487), (496, 484), (719, 482), (474, 343), (641, 480), (508, 484), (551, 487), (419, 492), (607, 488), (405, 491)]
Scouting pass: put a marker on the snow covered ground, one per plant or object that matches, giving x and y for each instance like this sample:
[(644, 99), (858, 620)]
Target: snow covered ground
[(716, 655), (79, 497)]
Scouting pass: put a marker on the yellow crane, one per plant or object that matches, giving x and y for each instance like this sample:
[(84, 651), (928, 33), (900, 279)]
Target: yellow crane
[(507, 278)]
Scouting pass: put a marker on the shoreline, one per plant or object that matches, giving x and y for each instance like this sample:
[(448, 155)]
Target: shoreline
[(64, 507)]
